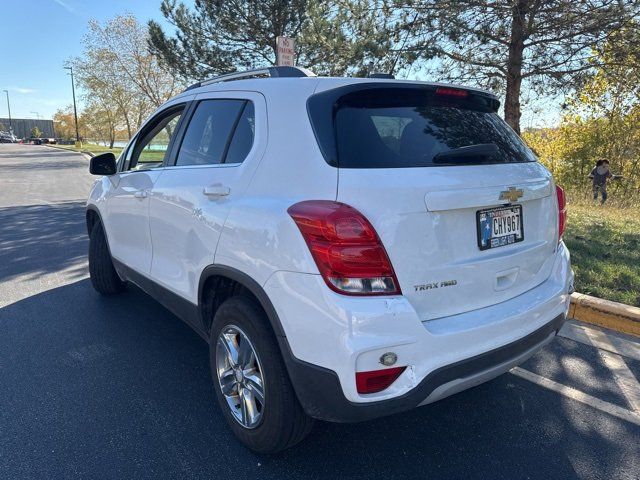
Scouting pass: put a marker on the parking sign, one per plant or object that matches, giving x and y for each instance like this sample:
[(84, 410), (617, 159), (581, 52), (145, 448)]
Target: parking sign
[(285, 51)]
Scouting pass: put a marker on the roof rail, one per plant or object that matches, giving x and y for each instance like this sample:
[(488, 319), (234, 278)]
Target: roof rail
[(267, 72), (381, 75)]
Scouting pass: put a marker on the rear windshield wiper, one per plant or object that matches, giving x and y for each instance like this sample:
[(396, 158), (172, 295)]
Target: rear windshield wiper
[(471, 153)]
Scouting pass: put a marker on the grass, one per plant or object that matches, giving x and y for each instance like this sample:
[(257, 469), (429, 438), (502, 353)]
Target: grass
[(605, 251), (93, 148), (147, 156)]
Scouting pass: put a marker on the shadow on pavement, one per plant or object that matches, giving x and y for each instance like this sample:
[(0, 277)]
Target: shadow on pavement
[(95, 387), (12, 168), (40, 153), (38, 239)]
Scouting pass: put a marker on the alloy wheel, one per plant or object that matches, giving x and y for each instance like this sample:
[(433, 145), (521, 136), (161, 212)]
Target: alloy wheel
[(240, 376)]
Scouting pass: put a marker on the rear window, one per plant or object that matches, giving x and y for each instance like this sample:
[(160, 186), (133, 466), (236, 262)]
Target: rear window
[(410, 127)]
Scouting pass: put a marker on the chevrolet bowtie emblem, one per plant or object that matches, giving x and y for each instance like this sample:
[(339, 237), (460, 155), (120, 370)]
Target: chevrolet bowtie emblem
[(511, 194)]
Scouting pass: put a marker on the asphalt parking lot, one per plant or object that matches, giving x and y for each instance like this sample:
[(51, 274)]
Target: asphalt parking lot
[(120, 388)]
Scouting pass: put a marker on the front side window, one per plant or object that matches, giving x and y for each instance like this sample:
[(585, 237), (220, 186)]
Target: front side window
[(150, 152), (218, 132)]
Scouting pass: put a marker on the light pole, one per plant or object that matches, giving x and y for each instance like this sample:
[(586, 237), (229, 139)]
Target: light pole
[(9, 108), (37, 114), (75, 111)]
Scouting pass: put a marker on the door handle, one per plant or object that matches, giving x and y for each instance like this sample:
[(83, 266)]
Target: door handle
[(140, 194), (217, 190)]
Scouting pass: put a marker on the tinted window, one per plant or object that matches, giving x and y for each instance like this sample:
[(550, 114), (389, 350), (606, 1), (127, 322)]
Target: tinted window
[(207, 137), (153, 147), (243, 136), (380, 128)]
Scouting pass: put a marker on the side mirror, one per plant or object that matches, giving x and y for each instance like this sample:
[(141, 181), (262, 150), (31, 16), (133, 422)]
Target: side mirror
[(103, 164)]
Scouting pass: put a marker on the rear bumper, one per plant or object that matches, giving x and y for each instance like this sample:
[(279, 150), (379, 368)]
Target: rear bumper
[(329, 337), (320, 393)]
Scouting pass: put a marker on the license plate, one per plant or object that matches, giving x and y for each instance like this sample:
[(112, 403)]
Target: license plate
[(500, 226)]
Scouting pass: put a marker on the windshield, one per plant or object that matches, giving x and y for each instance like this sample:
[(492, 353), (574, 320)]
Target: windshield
[(384, 128)]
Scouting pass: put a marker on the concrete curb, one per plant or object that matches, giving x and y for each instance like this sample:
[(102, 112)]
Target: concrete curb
[(604, 313), (83, 152)]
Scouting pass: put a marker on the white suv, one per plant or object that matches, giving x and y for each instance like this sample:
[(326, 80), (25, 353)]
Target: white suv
[(349, 247)]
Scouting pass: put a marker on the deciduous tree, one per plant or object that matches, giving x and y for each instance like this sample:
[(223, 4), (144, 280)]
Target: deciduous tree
[(127, 42), (117, 72), (64, 123), (102, 121)]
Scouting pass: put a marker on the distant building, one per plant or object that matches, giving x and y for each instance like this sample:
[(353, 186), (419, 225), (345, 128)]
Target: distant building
[(22, 127)]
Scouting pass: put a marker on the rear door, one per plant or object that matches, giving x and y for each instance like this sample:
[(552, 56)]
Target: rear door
[(465, 212), (223, 141)]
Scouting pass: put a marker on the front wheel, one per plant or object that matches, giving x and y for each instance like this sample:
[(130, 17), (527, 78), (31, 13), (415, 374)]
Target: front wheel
[(104, 277), (251, 381)]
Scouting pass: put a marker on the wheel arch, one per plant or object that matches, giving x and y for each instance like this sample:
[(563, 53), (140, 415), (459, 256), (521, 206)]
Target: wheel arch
[(246, 282), (292, 364), (92, 215)]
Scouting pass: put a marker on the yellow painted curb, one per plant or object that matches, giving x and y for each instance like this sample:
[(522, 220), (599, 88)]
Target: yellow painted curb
[(604, 313)]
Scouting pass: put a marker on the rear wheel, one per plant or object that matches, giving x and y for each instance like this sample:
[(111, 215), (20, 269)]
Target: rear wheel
[(250, 379), (104, 277)]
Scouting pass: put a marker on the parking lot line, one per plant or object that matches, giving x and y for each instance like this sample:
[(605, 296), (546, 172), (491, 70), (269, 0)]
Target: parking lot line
[(612, 348), (624, 377), (577, 395), (596, 337)]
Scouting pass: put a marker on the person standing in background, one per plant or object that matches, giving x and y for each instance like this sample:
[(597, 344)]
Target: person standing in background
[(600, 174)]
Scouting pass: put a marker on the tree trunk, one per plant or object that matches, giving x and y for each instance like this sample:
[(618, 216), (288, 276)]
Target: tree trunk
[(112, 135), (512, 111), (128, 123), (112, 132)]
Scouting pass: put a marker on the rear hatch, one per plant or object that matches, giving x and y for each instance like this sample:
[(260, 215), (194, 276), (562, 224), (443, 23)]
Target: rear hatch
[(463, 208)]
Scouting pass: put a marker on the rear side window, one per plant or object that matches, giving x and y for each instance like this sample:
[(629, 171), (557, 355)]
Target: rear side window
[(242, 140), (410, 127), (208, 137)]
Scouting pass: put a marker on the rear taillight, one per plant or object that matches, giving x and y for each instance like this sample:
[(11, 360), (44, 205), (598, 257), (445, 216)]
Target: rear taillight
[(377, 380), (562, 211), (346, 248)]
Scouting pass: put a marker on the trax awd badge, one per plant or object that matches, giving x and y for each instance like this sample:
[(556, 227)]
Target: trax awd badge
[(431, 286), (512, 194)]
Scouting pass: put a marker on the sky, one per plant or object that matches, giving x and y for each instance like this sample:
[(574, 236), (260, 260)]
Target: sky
[(36, 40)]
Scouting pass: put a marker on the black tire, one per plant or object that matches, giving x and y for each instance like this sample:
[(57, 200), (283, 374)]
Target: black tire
[(104, 277), (283, 422)]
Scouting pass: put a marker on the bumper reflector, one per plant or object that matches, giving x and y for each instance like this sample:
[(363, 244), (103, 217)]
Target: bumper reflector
[(377, 380)]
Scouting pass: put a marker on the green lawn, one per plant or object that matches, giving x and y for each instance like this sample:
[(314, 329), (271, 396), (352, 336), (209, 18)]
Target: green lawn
[(93, 148), (147, 156), (605, 251)]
